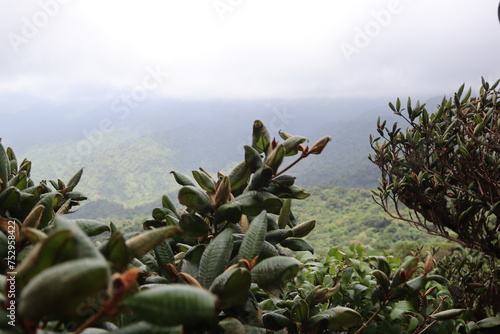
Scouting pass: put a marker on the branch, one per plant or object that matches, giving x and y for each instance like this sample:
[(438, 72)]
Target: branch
[(302, 156), (365, 325)]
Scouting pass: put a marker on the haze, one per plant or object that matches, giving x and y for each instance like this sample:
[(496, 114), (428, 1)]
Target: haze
[(91, 51)]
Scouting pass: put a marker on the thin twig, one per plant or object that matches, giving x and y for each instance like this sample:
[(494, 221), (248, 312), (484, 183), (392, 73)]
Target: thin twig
[(365, 325), (302, 156), (427, 327)]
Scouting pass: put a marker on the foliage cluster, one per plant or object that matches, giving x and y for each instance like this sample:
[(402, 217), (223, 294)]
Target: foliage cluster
[(221, 264), (390, 294), (445, 168)]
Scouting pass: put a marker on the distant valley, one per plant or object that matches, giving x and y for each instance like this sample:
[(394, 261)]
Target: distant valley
[(127, 163)]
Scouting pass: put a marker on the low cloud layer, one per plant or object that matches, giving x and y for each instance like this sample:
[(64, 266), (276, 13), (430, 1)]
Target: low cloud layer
[(89, 50)]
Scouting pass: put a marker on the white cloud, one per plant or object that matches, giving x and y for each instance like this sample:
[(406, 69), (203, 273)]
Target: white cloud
[(261, 48)]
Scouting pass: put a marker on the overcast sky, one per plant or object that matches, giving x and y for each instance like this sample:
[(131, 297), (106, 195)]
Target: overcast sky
[(89, 50)]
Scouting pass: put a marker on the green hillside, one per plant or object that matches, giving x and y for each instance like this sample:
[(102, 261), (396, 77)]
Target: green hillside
[(131, 165), (128, 170), (343, 216), (346, 215)]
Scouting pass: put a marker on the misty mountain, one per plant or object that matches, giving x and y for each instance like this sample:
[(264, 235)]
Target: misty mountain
[(127, 157)]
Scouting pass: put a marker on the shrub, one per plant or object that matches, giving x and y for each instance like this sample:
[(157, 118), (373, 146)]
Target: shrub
[(445, 168)]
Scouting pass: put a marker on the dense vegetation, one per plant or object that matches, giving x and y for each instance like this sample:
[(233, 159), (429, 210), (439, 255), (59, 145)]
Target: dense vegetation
[(343, 216), (231, 257), (445, 168), (346, 216)]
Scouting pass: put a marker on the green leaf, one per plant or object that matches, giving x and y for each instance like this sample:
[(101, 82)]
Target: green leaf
[(174, 304), (284, 180), (297, 245), (336, 318), (33, 235), (49, 201), (167, 203), (382, 279), (400, 276), (464, 151), (215, 257), (115, 250), (275, 320), (277, 236), (76, 196), (256, 330), (417, 283), (303, 229), (55, 185), (4, 168), (488, 323), (194, 225), (261, 178), (164, 255), (230, 212), (232, 287), (254, 238), (143, 327), (253, 202), (223, 193), (91, 227), (58, 247), (46, 295), (239, 176), (191, 260), (9, 198), (297, 192), (182, 179), (13, 160), (291, 144), (401, 308), (382, 264), (84, 245), (300, 311), (275, 157), (322, 295), (232, 326), (144, 242), (252, 158), (273, 273), (448, 314), (196, 199), (204, 181), (90, 330), (260, 137), (268, 250), (159, 214), (73, 182), (284, 217), (20, 181)]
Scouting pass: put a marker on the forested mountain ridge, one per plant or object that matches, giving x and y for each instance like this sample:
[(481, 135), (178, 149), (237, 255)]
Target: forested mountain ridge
[(343, 216), (127, 169), (130, 163)]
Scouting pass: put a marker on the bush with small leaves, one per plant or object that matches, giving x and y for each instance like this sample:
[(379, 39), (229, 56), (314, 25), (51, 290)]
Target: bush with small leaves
[(445, 168), (376, 294), (475, 281)]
